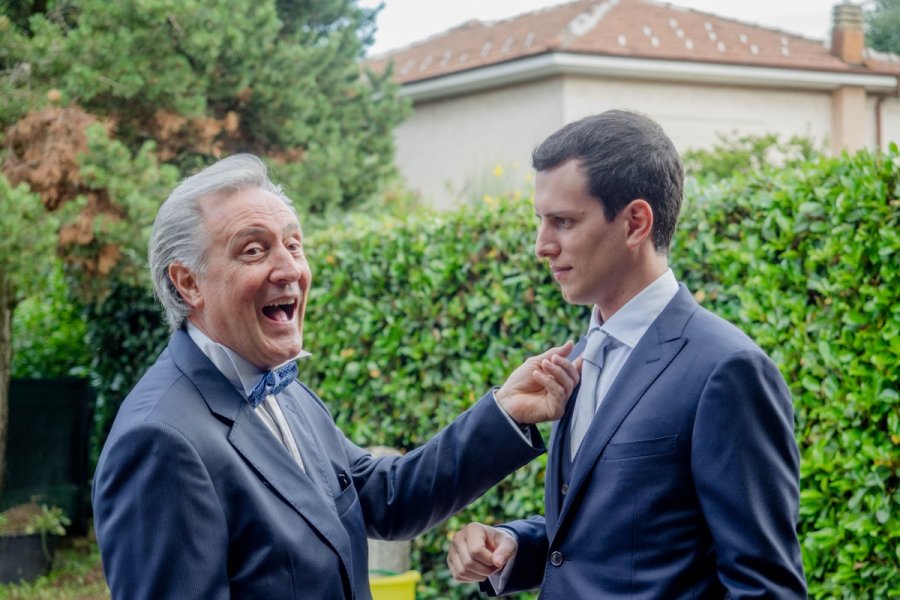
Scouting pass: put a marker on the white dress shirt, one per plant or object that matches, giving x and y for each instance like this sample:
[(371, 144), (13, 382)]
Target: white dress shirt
[(629, 324)]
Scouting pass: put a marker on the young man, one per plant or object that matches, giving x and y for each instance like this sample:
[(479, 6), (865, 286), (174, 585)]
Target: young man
[(223, 476), (674, 471)]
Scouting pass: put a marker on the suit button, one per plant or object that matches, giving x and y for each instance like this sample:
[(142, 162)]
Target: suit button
[(556, 558), (564, 489)]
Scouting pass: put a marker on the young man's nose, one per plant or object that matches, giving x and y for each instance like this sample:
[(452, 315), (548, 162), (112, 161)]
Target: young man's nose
[(544, 246)]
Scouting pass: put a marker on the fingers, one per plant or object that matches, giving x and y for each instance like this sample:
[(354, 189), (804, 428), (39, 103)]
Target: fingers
[(477, 551), (561, 351), (562, 368), (537, 390), (559, 375), (505, 548)]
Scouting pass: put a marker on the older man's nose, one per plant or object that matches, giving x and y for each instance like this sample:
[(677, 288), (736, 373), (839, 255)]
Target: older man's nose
[(287, 268)]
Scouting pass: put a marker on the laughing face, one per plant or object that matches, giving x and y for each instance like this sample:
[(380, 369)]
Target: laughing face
[(252, 297)]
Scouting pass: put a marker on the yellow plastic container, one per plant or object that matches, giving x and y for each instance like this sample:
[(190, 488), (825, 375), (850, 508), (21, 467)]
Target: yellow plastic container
[(394, 587)]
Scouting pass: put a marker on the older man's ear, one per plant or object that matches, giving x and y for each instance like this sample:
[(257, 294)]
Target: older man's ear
[(186, 283)]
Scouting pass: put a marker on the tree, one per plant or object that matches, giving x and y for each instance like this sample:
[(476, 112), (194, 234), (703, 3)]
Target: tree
[(105, 105), (280, 78), (27, 238), (883, 25)]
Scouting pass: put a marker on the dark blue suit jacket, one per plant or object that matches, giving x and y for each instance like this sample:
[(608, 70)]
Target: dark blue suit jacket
[(686, 485), (195, 498)]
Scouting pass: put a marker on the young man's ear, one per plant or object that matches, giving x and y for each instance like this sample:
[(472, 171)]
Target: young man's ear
[(639, 216), (186, 283)]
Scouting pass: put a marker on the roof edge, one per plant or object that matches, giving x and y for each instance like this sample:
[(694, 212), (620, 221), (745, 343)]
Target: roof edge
[(565, 63)]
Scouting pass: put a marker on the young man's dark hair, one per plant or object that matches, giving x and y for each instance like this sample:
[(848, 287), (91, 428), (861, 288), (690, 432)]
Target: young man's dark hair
[(625, 156)]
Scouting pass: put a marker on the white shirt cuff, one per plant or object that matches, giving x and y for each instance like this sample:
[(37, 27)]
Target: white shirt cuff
[(524, 431), (499, 579)]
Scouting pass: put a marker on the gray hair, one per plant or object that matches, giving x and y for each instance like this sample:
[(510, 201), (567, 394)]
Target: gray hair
[(179, 234)]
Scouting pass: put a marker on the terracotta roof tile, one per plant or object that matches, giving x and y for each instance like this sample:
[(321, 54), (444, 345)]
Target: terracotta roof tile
[(618, 28)]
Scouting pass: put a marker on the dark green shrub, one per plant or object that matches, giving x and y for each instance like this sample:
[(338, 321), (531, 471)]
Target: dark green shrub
[(126, 333)]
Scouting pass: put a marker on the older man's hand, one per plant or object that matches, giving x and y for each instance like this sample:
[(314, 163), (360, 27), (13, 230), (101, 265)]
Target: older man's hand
[(537, 391)]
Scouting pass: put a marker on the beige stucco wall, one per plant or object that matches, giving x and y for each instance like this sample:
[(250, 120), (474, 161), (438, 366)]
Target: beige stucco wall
[(693, 115), (449, 149), (890, 122)]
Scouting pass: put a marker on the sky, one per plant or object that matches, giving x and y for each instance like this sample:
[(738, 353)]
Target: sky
[(402, 22)]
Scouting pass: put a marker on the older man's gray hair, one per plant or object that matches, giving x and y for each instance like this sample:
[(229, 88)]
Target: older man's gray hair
[(178, 231)]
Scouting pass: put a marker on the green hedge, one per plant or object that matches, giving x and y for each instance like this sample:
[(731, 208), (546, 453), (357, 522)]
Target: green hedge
[(410, 322), (806, 261)]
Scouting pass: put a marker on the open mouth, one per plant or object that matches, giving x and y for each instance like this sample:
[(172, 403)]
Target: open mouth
[(281, 312)]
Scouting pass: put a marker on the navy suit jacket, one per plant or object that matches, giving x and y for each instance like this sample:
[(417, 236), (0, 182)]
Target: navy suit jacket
[(686, 484), (195, 498)]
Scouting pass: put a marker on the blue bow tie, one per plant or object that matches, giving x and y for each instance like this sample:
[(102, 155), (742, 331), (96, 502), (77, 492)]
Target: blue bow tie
[(272, 383)]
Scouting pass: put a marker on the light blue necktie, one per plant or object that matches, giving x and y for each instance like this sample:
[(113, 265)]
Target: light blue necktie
[(586, 402)]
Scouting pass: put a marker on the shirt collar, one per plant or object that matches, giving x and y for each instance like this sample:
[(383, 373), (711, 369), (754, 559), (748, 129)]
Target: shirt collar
[(629, 324), (240, 372)]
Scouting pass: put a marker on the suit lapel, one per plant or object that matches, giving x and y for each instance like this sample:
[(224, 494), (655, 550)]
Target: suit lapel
[(654, 352), (273, 462), (255, 443), (294, 406)]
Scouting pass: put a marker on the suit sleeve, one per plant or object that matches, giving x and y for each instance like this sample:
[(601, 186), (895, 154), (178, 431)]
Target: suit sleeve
[(527, 572), (404, 496), (153, 486), (745, 465)]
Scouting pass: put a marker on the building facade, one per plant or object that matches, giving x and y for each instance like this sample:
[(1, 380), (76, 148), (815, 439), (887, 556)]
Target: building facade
[(484, 94)]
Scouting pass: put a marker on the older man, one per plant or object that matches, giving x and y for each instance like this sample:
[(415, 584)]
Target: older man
[(225, 477)]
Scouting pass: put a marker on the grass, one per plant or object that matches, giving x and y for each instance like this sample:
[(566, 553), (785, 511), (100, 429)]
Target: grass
[(77, 574)]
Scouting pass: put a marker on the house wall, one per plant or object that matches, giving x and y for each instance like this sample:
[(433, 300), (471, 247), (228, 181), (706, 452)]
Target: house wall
[(890, 123), (450, 150), (694, 115)]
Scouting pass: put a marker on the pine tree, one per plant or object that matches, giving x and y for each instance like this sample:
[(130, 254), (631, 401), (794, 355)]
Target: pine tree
[(883, 26)]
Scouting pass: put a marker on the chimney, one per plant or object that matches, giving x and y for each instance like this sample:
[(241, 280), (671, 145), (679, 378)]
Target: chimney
[(847, 41)]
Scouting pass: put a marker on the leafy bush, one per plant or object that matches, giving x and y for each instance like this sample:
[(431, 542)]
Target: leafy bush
[(806, 261), (411, 321), (735, 153), (48, 331)]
